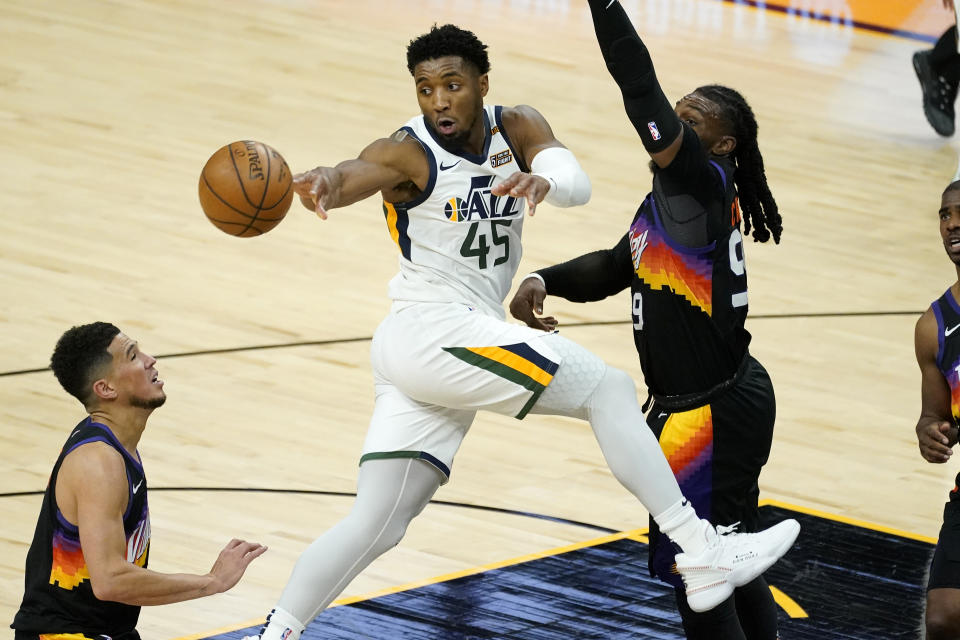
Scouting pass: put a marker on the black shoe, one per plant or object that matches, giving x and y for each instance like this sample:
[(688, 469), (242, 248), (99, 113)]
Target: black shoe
[(938, 95)]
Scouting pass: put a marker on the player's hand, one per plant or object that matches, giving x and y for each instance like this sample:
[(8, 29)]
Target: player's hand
[(936, 437), (232, 562), (528, 302), (524, 185), (317, 189)]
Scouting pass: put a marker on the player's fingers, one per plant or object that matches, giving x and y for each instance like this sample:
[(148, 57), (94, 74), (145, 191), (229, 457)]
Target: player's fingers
[(502, 188), (307, 202), (300, 178), (538, 296)]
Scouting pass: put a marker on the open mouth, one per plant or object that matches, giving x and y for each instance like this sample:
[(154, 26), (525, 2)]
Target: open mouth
[(446, 126)]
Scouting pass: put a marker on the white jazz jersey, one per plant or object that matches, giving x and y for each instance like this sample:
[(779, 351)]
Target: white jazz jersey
[(459, 243)]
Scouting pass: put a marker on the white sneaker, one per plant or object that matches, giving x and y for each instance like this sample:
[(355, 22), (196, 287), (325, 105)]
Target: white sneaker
[(732, 560)]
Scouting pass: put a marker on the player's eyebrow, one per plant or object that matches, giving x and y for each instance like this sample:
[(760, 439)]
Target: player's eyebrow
[(131, 347)]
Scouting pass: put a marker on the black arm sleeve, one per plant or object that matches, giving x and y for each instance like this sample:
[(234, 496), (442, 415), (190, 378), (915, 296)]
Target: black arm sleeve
[(592, 276), (630, 65)]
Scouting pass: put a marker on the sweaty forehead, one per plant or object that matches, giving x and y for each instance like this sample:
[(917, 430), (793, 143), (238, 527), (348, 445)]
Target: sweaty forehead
[(950, 199)]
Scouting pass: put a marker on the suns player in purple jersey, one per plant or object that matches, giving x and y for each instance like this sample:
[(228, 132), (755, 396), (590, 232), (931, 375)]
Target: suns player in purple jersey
[(86, 570), (937, 342), (455, 181), (682, 257)]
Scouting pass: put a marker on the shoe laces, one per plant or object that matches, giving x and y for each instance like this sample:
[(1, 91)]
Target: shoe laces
[(724, 530)]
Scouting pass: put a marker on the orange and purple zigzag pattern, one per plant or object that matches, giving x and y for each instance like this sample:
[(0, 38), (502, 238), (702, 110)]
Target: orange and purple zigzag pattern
[(69, 567), (662, 267)]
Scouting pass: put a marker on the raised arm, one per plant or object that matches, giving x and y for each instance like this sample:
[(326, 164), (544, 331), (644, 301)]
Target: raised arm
[(629, 63), (936, 431), (395, 166), (92, 493)]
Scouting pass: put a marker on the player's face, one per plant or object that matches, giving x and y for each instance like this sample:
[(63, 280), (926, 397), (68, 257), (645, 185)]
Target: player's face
[(705, 118), (450, 93), (134, 376), (950, 224)]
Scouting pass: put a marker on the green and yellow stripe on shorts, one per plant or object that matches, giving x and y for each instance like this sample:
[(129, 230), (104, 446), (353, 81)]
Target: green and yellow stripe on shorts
[(518, 363)]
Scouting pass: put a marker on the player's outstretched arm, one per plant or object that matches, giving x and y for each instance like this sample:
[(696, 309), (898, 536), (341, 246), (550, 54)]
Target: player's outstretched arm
[(555, 175), (592, 276), (92, 492), (630, 64), (389, 165), (936, 431)]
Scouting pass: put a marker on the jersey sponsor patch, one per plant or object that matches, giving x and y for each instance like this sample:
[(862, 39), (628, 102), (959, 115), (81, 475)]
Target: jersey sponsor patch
[(500, 159)]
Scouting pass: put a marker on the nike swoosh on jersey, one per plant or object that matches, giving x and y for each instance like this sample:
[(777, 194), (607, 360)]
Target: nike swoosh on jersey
[(947, 332), (137, 486), (444, 168)]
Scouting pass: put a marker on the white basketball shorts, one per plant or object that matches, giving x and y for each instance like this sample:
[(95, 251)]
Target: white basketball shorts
[(436, 364)]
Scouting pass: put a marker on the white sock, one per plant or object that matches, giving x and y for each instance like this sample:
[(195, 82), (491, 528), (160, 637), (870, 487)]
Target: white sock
[(682, 524), (281, 625)]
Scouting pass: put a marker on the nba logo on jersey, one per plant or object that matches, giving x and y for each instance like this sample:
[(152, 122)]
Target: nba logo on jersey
[(653, 130)]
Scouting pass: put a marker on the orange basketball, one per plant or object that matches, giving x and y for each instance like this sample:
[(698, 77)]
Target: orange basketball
[(245, 188)]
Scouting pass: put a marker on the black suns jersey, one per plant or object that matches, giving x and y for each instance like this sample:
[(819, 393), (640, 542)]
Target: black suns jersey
[(682, 258), (689, 283), (947, 312), (58, 597)]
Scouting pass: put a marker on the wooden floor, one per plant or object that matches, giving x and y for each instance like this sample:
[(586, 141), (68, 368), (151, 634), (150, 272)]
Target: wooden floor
[(109, 109)]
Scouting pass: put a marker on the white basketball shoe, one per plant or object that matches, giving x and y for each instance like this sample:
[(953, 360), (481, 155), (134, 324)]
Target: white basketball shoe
[(731, 560)]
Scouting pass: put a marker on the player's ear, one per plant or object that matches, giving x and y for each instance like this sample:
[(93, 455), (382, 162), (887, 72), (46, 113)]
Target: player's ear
[(724, 146), (484, 82), (103, 390)]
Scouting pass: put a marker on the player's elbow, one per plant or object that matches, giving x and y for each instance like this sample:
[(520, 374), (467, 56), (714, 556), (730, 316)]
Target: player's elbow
[(109, 588), (104, 589), (569, 184), (581, 191)]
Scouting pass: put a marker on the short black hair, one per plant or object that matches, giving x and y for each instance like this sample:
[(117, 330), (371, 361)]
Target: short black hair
[(953, 186), (80, 355), (448, 40)]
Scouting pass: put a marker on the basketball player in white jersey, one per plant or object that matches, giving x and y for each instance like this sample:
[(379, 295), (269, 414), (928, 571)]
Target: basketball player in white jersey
[(455, 182)]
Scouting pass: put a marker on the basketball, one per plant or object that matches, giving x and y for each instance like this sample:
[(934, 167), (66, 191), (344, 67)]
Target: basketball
[(246, 188)]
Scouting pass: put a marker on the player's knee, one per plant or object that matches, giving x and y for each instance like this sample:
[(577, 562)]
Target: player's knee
[(383, 533), (942, 626), (616, 383), (943, 621)]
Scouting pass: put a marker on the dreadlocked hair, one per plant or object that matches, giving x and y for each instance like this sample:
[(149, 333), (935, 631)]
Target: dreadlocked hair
[(448, 40), (759, 208)]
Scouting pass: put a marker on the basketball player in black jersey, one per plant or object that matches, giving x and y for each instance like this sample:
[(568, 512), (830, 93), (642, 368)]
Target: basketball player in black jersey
[(713, 404), (86, 570), (937, 343)]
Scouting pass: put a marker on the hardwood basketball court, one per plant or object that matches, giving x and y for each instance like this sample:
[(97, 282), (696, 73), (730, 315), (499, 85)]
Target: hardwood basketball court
[(108, 111)]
